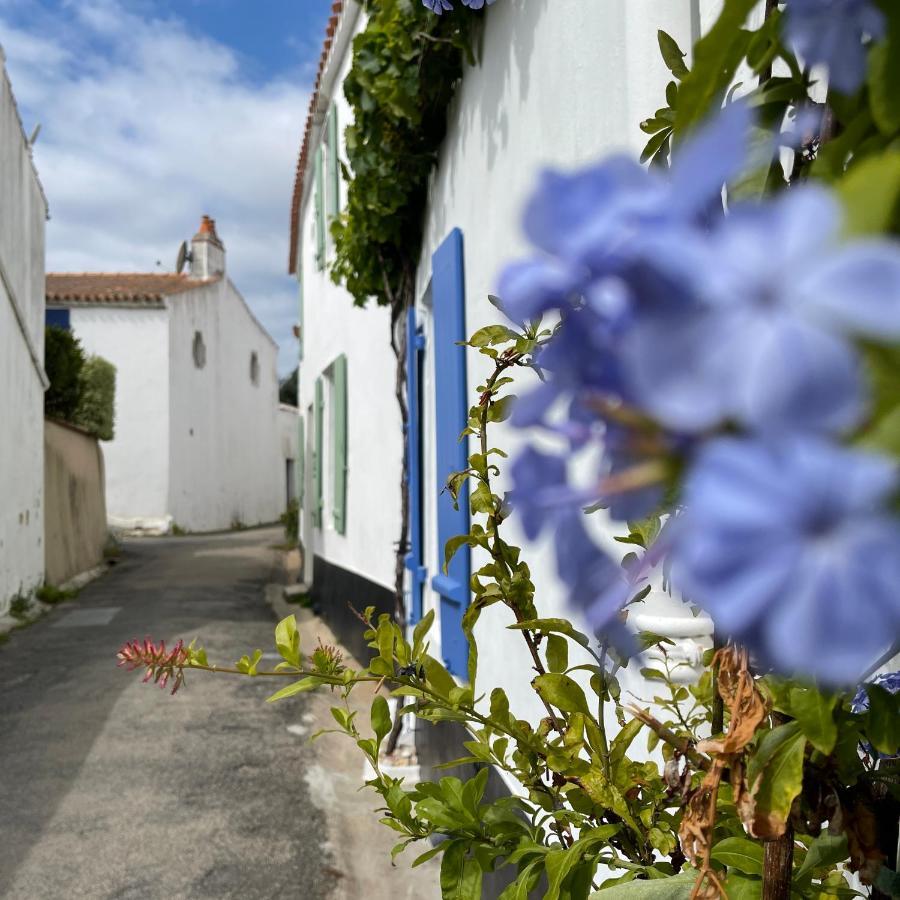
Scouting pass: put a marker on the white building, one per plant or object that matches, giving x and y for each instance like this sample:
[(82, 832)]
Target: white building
[(558, 84), (22, 377), (197, 441)]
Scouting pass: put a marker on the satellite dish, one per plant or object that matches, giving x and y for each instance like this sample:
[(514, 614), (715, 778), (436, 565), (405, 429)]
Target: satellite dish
[(184, 255)]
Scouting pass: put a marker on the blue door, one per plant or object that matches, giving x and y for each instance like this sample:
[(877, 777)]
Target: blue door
[(451, 415)]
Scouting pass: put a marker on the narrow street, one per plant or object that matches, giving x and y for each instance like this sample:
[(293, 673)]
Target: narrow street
[(111, 788)]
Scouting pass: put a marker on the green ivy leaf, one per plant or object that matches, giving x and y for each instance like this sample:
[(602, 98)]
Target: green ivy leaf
[(548, 626), (739, 853)]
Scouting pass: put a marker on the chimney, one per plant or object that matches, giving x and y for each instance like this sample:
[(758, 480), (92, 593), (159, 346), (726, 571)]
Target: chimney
[(207, 251)]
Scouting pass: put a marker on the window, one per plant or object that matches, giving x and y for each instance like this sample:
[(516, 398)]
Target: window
[(254, 368), (198, 350)]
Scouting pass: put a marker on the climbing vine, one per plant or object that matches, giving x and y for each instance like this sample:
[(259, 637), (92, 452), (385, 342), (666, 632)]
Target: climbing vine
[(406, 63)]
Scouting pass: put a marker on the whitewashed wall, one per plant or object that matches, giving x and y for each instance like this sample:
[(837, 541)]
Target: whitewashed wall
[(289, 444), (23, 212), (561, 83), (136, 342), (224, 454), (333, 325)]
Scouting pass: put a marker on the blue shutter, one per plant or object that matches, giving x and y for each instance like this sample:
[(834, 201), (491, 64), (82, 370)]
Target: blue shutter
[(57, 317), (451, 413), (414, 560)]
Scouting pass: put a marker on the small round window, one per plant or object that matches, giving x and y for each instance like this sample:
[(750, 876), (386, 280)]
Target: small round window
[(254, 368), (199, 350)]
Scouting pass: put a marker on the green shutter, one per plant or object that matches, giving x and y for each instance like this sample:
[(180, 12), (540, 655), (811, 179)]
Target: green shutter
[(334, 169), (340, 444), (320, 209), (300, 474), (317, 461)]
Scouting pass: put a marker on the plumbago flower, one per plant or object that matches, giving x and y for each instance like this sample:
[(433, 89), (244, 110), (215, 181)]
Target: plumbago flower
[(832, 32), (678, 323), (442, 6)]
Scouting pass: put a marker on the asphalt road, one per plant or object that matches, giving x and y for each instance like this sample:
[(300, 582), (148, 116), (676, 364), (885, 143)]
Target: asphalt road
[(110, 788)]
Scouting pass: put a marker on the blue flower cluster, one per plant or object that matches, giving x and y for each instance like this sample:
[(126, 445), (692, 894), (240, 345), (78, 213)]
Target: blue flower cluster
[(442, 6), (714, 354), (832, 33)]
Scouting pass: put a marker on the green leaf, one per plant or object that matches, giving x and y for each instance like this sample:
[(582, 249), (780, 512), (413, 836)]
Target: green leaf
[(452, 546), (815, 713), (428, 854), (557, 653), (438, 678), (883, 719), (381, 718), (423, 626), (460, 875), (562, 692), (492, 334), (548, 626), (778, 765), (296, 687), (287, 640), (739, 853), (884, 76), (741, 887), (672, 54), (870, 192), (716, 58), (826, 850), (676, 887)]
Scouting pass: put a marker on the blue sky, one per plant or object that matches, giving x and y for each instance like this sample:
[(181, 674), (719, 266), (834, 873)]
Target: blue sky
[(154, 112)]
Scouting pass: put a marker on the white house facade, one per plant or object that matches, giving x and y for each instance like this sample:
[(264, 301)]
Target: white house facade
[(22, 377), (350, 424), (557, 84), (197, 442)]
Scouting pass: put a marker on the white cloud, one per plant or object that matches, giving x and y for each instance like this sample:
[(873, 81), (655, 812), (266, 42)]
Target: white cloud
[(146, 126)]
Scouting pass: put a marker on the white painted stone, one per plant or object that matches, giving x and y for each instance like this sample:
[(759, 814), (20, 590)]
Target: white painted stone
[(23, 211)]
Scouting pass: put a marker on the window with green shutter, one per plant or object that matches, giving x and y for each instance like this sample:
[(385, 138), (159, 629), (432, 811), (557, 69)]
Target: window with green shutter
[(318, 458), (339, 374), (320, 208), (301, 459), (334, 166)]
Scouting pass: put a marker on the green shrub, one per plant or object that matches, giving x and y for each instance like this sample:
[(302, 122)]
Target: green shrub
[(48, 593), (97, 400), (291, 521), (63, 362)]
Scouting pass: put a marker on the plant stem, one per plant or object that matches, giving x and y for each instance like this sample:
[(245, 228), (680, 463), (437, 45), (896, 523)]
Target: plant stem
[(778, 861), (682, 745)]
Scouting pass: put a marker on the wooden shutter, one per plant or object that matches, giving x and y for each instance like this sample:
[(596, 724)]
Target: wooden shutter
[(317, 462), (320, 209), (334, 168), (451, 411), (301, 458), (340, 444)]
